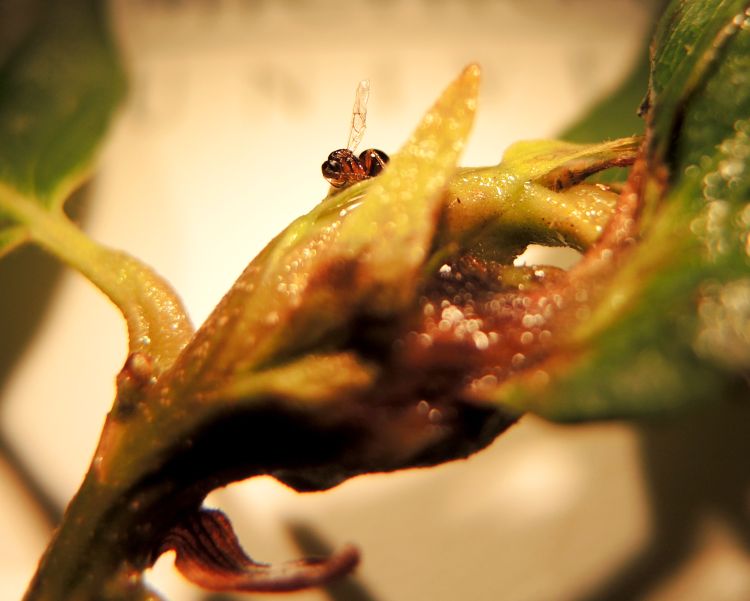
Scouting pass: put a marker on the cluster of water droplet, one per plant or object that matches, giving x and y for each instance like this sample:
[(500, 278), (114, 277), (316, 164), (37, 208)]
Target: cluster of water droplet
[(495, 320), (724, 221), (724, 226), (724, 311)]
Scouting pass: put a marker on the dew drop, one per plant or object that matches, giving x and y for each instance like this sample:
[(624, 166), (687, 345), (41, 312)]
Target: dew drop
[(481, 341), (488, 381), (540, 378), (435, 416)]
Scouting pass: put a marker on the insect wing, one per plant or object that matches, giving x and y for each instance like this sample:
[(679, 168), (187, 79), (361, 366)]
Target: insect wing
[(359, 115)]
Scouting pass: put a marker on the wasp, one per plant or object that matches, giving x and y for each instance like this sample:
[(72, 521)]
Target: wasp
[(343, 168)]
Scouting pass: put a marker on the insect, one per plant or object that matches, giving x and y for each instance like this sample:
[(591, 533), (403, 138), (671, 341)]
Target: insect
[(343, 168)]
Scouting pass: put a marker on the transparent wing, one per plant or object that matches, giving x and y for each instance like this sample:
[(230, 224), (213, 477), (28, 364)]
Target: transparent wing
[(359, 115)]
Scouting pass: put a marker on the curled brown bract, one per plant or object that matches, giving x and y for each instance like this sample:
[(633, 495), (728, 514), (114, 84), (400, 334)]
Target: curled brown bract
[(209, 555)]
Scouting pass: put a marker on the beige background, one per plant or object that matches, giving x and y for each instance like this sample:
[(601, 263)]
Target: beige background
[(233, 107)]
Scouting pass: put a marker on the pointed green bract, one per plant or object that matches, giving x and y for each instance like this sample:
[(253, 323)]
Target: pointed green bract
[(391, 233), (345, 258), (530, 198), (535, 159)]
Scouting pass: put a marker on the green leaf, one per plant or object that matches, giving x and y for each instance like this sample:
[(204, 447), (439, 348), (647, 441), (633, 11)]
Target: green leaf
[(670, 326), (693, 41), (58, 90)]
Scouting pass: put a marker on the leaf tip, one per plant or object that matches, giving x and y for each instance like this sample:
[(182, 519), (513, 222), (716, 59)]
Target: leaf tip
[(472, 71)]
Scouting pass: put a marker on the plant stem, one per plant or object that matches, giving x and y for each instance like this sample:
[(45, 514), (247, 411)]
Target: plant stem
[(158, 325), (91, 556)]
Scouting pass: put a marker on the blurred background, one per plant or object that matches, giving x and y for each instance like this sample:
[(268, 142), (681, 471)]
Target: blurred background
[(233, 106)]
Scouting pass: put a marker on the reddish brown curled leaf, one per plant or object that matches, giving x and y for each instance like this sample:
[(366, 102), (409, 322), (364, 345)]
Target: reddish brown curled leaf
[(209, 555)]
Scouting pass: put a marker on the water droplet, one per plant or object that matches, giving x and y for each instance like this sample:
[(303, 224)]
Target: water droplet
[(453, 313), (731, 169), (488, 381), (435, 416), (473, 325), (724, 312), (481, 341), (540, 378)]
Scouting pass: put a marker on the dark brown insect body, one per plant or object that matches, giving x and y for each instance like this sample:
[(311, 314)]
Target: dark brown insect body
[(343, 168)]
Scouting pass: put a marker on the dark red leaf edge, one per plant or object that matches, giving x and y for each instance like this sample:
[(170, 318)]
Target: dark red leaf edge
[(209, 554)]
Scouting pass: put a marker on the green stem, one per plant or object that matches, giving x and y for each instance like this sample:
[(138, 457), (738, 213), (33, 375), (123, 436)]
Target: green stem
[(158, 325), (99, 551)]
